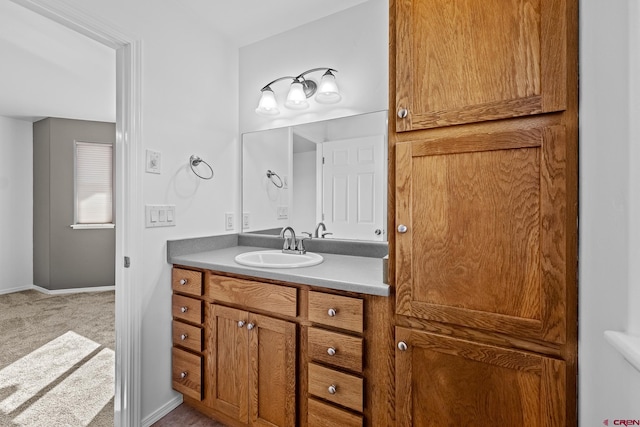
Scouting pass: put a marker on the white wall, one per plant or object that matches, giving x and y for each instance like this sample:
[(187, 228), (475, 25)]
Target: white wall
[(189, 106), (354, 42), (609, 388), (16, 205)]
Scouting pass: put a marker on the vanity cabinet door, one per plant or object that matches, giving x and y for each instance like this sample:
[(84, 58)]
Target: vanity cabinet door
[(468, 61), (229, 362), (482, 232), (442, 381), (272, 372)]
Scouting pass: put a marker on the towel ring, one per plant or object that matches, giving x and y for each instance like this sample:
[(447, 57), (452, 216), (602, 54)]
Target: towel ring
[(270, 175), (195, 161)]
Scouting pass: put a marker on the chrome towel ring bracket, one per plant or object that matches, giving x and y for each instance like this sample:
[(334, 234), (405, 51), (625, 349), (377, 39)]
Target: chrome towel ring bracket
[(270, 175), (194, 162)]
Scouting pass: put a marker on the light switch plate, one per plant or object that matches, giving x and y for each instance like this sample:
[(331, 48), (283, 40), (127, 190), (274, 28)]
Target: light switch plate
[(246, 220), (153, 161), (160, 216)]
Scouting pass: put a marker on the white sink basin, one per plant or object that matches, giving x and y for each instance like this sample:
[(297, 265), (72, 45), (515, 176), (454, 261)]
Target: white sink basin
[(277, 259)]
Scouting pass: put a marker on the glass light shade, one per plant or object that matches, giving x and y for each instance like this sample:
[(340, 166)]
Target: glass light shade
[(267, 105), (328, 92), (296, 99)]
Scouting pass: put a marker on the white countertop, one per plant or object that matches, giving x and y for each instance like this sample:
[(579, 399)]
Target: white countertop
[(340, 272)]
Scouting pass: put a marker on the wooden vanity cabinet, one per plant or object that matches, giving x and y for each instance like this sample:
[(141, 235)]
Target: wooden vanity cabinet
[(269, 353), (483, 177)]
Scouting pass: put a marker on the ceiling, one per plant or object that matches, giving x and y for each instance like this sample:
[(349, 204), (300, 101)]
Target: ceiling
[(50, 71)]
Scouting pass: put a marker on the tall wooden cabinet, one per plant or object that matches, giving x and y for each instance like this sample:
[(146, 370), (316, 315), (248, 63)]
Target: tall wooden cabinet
[(484, 149)]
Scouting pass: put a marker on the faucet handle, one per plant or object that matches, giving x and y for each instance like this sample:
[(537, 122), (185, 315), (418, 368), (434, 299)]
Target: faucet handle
[(326, 233), (300, 246), (309, 235)]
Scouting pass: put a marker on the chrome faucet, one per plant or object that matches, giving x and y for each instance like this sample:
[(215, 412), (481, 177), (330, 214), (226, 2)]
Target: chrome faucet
[(292, 245), (324, 230)]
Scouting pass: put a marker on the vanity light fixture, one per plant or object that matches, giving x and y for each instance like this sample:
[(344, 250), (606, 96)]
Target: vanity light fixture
[(300, 90)]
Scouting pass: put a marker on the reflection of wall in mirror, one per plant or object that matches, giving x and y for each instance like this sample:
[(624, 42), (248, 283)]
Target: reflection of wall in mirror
[(304, 185), (262, 151)]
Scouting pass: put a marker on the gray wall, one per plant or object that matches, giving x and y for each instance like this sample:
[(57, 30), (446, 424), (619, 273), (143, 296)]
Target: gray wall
[(64, 258)]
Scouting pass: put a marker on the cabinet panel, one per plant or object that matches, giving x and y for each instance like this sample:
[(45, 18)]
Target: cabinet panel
[(188, 336), (486, 238), (229, 362), (335, 348), (337, 311), (277, 299), (323, 415), (187, 373), (186, 281), (444, 381), (185, 308), (340, 388), (467, 61), (272, 371)]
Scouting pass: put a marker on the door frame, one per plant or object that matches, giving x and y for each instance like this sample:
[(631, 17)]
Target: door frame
[(128, 191)]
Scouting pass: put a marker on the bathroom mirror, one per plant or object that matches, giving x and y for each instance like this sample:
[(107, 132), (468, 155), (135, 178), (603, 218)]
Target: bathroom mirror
[(332, 172)]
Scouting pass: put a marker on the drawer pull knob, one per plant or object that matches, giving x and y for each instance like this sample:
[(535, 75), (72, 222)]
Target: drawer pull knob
[(240, 323), (250, 326), (183, 337), (183, 375), (402, 228), (184, 309), (183, 281), (331, 351), (332, 389), (332, 312), (402, 346)]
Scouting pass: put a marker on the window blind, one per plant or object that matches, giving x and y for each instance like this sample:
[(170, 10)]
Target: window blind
[(94, 183)]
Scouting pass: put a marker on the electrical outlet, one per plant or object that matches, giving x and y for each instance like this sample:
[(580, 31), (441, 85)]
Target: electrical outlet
[(153, 161), (228, 221), (246, 217), (283, 212)]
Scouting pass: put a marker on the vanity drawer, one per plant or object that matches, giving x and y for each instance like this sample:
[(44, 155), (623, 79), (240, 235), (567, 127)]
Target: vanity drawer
[(335, 348), (277, 299), (323, 415), (186, 281), (187, 373), (187, 336), (185, 308), (335, 310), (337, 387)]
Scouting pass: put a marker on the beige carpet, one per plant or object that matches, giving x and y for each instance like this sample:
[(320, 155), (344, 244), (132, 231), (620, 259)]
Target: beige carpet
[(57, 359)]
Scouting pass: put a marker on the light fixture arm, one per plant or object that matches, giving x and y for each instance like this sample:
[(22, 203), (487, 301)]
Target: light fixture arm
[(298, 79)]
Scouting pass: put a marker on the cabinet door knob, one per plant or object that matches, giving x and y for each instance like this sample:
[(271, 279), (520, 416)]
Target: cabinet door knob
[(403, 113), (250, 326), (183, 337), (332, 389), (402, 228), (332, 312), (240, 323), (183, 375), (183, 281), (331, 351), (402, 346), (377, 232), (184, 309)]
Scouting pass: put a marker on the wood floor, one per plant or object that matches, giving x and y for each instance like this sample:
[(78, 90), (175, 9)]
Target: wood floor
[(184, 416)]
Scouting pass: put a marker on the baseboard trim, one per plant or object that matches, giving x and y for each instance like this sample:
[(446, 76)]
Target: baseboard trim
[(57, 291), (159, 413), (18, 289)]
